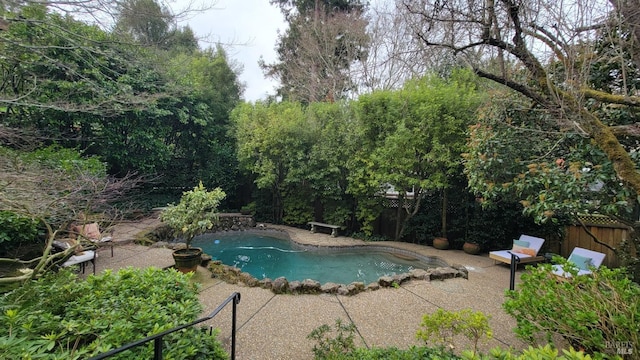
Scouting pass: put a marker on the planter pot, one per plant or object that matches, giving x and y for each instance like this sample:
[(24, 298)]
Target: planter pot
[(441, 243), (187, 260), (470, 248)]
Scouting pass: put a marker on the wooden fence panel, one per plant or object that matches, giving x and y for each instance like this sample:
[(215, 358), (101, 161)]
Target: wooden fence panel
[(606, 230)]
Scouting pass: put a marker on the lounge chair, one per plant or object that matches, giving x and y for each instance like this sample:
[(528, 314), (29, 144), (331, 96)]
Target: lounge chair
[(526, 248), (91, 232), (80, 256), (584, 259)]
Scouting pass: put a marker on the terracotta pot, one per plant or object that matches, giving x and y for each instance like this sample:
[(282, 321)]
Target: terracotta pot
[(441, 243), (187, 260), (471, 248)]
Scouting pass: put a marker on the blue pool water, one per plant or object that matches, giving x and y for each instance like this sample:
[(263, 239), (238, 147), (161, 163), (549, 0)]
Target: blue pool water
[(270, 257)]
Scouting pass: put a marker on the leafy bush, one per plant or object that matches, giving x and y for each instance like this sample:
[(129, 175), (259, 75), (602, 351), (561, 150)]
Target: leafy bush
[(412, 353), (329, 347), (443, 326), (68, 160), (334, 213), (365, 237), (196, 212), (473, 325), (342, 346), (59, 317), (297, 210), (546, 352), (591, 312), (16, 229)]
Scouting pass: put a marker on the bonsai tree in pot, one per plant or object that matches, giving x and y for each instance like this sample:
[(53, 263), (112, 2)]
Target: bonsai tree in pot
[(196, 213)]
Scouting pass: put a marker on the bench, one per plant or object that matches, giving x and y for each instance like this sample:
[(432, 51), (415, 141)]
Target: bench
[(334, 228)]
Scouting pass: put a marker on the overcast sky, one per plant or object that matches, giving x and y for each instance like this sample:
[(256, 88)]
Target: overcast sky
[(253, 25)]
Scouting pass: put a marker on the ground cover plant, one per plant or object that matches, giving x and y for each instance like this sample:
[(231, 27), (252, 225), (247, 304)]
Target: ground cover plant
[(59, 317), (598, 313), (338, 343)]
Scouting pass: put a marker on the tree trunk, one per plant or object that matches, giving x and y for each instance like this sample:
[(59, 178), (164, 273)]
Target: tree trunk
[(630, 10), (444, 213), (399, 220)]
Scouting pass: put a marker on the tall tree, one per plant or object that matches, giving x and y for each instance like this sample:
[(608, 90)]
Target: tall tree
[(151, 23), (272, 139), (58, 63), (209, 89), (411, 141), (554, 56), (394, 56), (147, 21), (318, 50), (61, 55), (529, 34)]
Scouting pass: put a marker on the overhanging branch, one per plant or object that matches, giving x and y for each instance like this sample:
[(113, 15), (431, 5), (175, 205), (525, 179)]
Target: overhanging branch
[(524, 90), (595, 238), (632, 130), (611, 98)]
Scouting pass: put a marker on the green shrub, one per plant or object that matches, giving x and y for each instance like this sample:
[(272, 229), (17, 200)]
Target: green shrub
[(473, 325), (60, 317), (337, 214), (68, 160), (443, 326), (16, 229), (365, 237), (296, 210), (393, 353), (546, 352), (196, 212), (595, 313), (338, 344), (328, 347)]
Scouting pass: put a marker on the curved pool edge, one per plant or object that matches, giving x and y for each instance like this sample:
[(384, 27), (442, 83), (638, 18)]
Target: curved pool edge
[(306, 239)]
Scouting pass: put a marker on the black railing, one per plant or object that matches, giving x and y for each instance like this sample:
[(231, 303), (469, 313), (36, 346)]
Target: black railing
[(515, 259), (157, 338)]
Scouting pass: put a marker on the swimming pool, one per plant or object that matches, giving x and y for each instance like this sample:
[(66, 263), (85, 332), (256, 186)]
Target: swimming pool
[(270, 257)]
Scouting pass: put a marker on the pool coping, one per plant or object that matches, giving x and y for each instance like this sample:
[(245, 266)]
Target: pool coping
[(439, 269), (393, 247)]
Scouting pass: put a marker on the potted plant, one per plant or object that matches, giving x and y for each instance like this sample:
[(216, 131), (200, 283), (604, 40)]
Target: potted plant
[(442, 242), (194, 215), (471, 247)]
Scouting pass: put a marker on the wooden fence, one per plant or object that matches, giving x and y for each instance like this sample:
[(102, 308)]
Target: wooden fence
[(604, 228)]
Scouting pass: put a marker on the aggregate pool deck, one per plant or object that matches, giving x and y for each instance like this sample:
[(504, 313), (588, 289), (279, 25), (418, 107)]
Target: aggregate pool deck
[(275, 327)]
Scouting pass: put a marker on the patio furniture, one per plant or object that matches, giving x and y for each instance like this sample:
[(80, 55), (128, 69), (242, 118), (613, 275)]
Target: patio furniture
[(584, 259), (334, 228), (80, 257), (526, 249), (91, 232)]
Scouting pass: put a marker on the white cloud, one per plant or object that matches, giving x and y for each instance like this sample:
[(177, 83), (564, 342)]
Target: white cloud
[(252, 27)]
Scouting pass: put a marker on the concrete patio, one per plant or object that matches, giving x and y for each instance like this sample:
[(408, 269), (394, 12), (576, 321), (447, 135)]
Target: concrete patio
[(274, 326)]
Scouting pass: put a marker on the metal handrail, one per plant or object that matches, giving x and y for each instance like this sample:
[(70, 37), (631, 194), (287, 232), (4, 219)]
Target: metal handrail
[(157, 338), (515, 259)]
